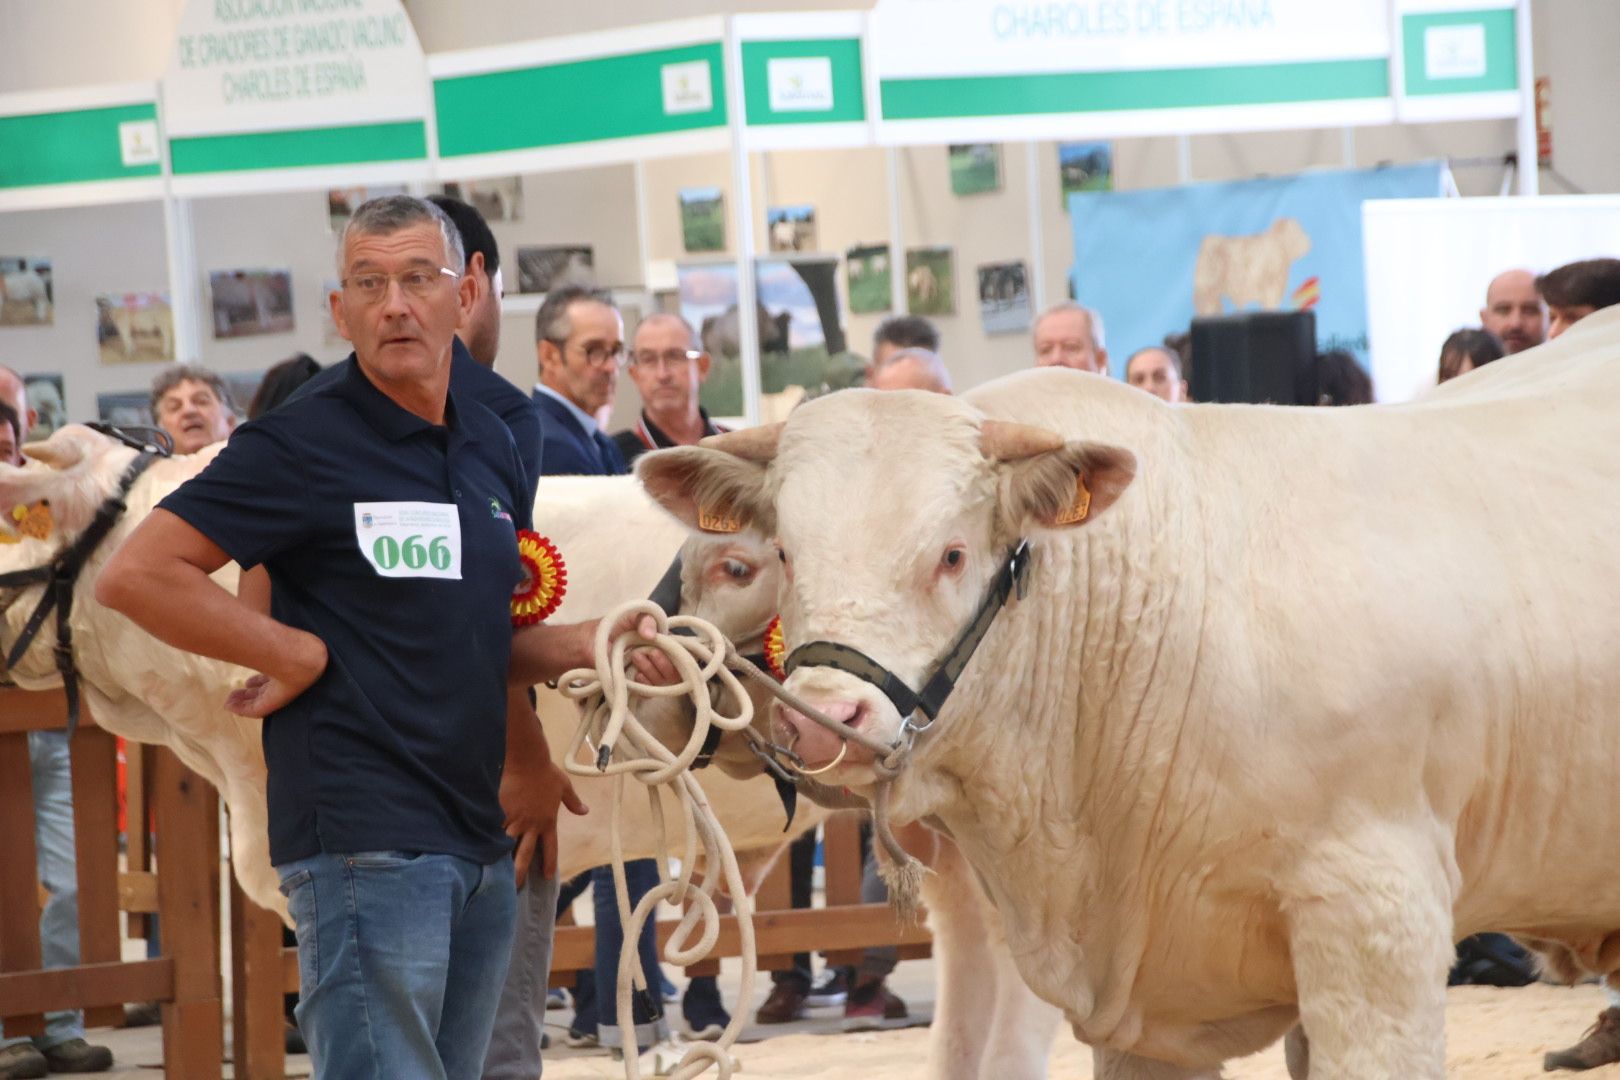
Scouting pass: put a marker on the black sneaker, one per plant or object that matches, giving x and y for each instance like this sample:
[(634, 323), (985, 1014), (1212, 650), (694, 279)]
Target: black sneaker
[(834, 989), (705, 1012), (77, 1056), (22, 1062)]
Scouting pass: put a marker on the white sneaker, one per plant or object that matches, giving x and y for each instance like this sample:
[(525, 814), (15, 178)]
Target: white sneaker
[(662, 1059)]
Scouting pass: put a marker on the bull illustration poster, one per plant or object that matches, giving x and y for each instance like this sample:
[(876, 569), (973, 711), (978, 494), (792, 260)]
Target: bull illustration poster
[(1149, 261)]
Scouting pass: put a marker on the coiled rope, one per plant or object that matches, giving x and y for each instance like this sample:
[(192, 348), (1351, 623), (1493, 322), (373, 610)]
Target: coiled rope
[(616, 744)]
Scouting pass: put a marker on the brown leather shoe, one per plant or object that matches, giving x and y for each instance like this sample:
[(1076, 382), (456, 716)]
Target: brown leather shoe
[(785, 1005), (21, 1061), (1599, 1046)]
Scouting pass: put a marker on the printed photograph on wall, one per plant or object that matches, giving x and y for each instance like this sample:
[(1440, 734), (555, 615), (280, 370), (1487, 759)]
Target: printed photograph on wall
[(341, 203), (128, 408), (1004, 298), (498, 198), (975, 168), (330, 335), (247, 302), (1085, 166), (703, 219), (803, 351), (134, 328), (46, 397), (26, 296), (541, 267), (931, 281), (791, 228), (870, 280), (242, 385)]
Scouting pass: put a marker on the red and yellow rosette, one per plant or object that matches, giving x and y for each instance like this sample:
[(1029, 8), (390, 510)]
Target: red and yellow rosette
[(545, 579), (775, 648)]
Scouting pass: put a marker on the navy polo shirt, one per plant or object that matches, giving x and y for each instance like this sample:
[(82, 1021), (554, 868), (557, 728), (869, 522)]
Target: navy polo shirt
[(399, 744)]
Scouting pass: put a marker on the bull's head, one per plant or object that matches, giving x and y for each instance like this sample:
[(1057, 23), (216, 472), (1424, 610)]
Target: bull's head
[(891, 514), (732, 581)]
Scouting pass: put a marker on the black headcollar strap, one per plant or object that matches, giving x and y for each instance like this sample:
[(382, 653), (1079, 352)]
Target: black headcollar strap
[(1012, 577), (59, 577)]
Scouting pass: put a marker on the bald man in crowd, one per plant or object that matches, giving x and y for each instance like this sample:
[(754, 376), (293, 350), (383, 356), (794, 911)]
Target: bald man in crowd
[(1070, 335), (911, 369), (1514, 311), (1158, 371)]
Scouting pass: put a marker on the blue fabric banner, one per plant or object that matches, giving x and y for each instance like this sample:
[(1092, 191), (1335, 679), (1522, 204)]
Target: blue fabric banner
[(1148, 261)]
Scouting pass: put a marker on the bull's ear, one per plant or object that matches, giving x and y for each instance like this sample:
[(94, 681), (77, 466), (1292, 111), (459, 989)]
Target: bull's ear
[(709, 490), (1066, 487), (66, 447)]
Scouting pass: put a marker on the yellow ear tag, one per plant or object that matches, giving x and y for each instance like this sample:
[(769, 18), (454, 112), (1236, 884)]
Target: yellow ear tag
[(1077, 512), (34, 521), (717, 521)]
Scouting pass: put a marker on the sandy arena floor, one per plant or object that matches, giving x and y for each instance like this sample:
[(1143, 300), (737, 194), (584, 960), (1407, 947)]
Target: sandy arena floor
[(1492, 1035)]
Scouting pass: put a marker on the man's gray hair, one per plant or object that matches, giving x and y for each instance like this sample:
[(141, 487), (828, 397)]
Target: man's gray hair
[(171, 377), (1074, 305), (391, 213), (551, 322), (679, 320), (1169, 354)]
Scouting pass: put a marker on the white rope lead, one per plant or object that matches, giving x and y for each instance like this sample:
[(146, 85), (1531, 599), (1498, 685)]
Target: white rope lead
[(623, 749)]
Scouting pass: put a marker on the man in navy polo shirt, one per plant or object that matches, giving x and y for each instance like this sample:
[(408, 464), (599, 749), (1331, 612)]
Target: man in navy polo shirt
[(385, 509)]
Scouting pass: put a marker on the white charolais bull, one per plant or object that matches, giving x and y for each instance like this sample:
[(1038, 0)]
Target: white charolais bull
[(1300, 697)]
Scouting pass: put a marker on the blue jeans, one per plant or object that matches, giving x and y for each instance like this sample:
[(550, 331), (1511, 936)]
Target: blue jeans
[(401, 958), (58, 871), (647, 1009)]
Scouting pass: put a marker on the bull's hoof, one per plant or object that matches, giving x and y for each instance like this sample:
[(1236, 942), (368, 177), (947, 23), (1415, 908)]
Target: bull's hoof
[(1599, 1046)]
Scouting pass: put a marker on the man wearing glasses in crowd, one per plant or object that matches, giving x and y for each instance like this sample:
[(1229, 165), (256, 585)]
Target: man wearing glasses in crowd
[(668, 367), (579, 336)]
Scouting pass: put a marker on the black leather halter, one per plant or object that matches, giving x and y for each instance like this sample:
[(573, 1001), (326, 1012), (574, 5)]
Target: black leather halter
[(1011, 578), (61, 574)]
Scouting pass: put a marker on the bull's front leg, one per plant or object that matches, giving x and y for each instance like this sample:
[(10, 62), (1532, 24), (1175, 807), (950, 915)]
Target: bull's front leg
[(1370, 934), (1115, 1065)]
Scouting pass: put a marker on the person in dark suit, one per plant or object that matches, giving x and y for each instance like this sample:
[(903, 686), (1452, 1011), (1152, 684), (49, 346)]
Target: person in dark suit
[(579, 338)]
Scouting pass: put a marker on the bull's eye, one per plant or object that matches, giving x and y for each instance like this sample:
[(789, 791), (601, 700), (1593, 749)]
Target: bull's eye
[(738, 570), (781, 556), (952, 559)]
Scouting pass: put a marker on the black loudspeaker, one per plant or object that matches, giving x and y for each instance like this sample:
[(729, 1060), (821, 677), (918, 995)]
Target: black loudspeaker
[(1260, 357)]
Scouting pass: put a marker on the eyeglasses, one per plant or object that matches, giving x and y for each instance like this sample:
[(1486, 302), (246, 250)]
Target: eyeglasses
[(596, 354), (417, 284), (669, 358)]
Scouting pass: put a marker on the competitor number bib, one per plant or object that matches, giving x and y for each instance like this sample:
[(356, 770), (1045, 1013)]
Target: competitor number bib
[(410, 539)]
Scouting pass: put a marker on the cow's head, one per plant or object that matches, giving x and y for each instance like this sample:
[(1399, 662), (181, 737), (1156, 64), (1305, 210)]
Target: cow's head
[(891, 514), (45, 504), (732, 581)]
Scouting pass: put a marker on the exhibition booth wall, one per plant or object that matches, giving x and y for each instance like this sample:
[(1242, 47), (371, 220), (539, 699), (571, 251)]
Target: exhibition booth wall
[(629, 214)]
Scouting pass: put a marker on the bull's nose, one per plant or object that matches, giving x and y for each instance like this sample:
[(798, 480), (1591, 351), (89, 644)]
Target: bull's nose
[(815, 744)]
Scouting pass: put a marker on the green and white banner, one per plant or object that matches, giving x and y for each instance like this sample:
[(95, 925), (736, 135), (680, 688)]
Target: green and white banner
[(586, 99), (804, 80), (266, 94), (77, 147), (958, 70)]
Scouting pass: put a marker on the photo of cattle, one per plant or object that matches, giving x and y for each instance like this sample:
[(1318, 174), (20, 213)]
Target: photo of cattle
[(131, 408), (341, 203), (134, 328), (931, 281), (801, 338), (703, 219), (330, 334), (1085, 166), (539, 268), (242, 385), (48, 399), (498, 198), (870, 279), (975, 168), (1004, 298), (791, 228), (26, 295), (248, 302)]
